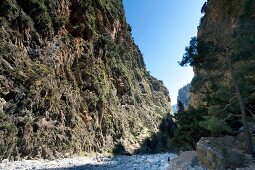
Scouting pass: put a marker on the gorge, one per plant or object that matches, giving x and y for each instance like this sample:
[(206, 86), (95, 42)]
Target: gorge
[(73, 82)]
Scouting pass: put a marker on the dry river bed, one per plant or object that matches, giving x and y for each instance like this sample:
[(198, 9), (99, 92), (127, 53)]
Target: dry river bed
[(134, 162)]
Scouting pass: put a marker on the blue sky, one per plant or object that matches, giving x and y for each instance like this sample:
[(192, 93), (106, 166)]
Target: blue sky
[(162, 29)]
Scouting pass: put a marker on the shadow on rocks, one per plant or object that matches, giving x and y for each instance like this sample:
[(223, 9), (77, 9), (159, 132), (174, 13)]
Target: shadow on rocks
[(159, 142)]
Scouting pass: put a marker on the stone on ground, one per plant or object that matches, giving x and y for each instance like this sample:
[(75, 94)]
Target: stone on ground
[(186, 161), (223, 152)]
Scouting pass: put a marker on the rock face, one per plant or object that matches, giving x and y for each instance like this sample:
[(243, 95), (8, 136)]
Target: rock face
[(72, 80), (221, 153), (222, 20), (184, 95)]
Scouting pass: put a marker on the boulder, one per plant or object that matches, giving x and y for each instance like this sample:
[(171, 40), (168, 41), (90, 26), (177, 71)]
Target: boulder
[(220, 153), (242, 136), (186, 161), (234, 158)]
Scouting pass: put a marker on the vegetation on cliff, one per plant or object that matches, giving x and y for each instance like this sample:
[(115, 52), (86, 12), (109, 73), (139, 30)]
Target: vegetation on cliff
[(72, 80)]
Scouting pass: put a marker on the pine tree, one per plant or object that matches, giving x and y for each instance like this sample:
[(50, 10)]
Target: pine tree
[(225, 48)]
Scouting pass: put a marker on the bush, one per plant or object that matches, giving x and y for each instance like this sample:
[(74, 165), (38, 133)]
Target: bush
[(216, 126), (8, 133)]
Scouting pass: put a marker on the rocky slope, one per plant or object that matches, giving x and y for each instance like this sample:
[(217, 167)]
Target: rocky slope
[(72, 80)]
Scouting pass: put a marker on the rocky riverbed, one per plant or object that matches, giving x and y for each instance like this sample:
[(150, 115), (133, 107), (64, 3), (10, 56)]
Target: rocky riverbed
[(148, 162)]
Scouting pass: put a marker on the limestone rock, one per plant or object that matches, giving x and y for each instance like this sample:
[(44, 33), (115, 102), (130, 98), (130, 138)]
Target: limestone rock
[(186, 161), (220, 20), (220, 153), (73, 80)]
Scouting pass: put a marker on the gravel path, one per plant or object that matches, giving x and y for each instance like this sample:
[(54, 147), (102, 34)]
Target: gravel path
[(135, 162)]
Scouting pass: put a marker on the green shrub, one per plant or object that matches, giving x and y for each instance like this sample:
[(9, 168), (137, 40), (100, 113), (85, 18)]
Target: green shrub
[(8, 136), (37, 10), (216, 126)]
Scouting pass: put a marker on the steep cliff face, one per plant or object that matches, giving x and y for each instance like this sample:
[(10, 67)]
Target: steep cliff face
[(72, 80), (229, 27)]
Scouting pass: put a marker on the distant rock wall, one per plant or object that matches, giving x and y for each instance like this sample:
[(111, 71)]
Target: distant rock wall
[(72, 80), (184, 95)]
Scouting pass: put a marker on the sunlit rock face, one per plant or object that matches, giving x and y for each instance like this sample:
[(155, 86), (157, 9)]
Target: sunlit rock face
[(72, 80), (184, 95)]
